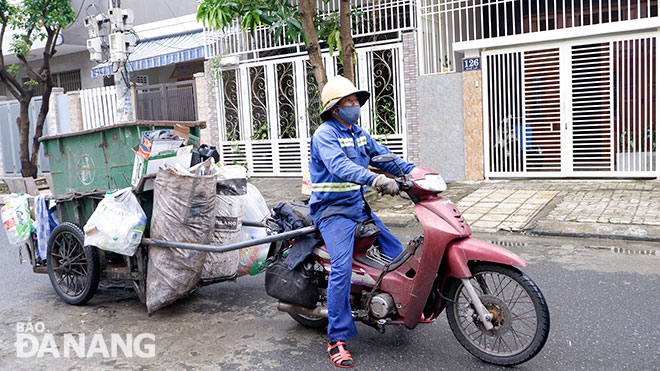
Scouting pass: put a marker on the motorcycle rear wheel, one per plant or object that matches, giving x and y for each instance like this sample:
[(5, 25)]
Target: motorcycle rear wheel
[(310, 321), (521, 317)]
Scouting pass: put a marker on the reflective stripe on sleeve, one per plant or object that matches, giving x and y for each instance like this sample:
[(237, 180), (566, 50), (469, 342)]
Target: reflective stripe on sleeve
[(334, 187), (362, 141), (345, 142)]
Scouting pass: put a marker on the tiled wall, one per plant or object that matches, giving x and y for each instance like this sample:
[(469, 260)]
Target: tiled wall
[(206, 106), (473, 116), (410, 87), (75, 111)]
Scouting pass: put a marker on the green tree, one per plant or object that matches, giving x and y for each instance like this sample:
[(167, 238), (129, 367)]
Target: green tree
[(31, 20), (297, 22)]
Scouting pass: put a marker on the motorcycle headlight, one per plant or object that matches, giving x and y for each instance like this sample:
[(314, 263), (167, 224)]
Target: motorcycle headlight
[(432, 182)]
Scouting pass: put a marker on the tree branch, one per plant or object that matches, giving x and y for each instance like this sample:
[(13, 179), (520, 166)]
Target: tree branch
[(52, 50), (307, 9), (5, 20), (346, 38), (28, 69), (12, 84)]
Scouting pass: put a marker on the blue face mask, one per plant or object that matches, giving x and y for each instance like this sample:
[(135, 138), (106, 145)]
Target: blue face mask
[(349, 114)]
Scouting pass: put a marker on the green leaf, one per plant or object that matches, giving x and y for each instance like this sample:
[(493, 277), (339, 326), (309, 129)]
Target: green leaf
[(331, 44), (13, 70)]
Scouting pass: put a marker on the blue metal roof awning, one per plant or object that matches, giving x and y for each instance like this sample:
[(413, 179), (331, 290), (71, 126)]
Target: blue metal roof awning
[(160, 52)]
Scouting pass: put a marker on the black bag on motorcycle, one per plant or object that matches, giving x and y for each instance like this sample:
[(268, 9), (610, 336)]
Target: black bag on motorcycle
[(298, 286)]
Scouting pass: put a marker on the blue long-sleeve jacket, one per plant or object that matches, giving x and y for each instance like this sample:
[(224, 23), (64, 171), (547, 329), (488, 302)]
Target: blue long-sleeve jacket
[(338, 168)]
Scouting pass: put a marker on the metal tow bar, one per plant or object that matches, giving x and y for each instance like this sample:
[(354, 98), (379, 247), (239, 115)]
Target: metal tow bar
[(233, 246)]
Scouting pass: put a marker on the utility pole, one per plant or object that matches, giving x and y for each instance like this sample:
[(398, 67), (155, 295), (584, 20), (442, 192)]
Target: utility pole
[(111, 38)]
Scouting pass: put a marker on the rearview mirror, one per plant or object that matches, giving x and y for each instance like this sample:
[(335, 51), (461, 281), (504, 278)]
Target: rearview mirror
[(388, 157)]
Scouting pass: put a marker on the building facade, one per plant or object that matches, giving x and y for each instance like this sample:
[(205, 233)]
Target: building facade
[(561, 88)]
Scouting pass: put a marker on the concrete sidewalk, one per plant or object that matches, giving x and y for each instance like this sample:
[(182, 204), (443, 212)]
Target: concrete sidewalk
[(625, 209)]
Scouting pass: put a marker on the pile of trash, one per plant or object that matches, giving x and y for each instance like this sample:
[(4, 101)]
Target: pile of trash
[(205, 204), (28, 219), (194, 201)]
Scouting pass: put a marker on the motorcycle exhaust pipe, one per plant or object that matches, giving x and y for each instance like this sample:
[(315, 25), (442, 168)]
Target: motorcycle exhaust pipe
[(290, 308)]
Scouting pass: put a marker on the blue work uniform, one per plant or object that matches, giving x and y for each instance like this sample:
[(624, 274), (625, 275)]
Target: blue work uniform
[(339, 172)]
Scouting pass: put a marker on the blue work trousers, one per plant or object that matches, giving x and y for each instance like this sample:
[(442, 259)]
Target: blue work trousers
[(339, 236)]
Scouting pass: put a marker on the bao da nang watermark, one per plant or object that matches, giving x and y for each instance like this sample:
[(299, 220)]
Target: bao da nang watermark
[(32, 340)]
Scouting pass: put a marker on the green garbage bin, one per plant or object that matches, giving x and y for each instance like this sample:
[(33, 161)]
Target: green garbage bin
[(101, 158)]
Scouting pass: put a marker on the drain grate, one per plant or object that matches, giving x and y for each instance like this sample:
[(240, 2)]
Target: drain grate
[(509, 243), (623, 250)]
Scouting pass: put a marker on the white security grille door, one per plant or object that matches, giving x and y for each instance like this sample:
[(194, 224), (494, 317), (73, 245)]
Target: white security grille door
[(580, 109), (269, 110), (505, 113), (542, 119), (635, 105), (591, 110)]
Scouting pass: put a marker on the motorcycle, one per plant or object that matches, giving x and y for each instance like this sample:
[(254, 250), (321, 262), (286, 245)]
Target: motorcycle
[(495, 311)]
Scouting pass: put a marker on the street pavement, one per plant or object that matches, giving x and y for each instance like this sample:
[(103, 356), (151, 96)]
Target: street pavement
[(602, 293), (603, 302)]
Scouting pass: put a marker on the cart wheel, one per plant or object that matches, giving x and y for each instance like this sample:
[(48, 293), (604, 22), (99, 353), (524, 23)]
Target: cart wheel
[(74, 269)]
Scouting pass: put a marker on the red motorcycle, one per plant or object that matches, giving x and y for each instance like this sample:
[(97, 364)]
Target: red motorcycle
[(495, 311)]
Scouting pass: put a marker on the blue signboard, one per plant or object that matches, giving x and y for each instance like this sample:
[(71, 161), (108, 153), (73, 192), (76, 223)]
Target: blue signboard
[(471, 64)]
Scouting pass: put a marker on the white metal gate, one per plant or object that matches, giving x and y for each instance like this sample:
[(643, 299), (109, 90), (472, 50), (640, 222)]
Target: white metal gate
[(269, 110), (585, 108), (9, 137)]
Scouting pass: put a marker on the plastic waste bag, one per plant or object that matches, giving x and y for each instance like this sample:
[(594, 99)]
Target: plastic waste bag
[(230, 192), (117, 224), (184, 211), (42, 225), (16, 218), (252, 260)]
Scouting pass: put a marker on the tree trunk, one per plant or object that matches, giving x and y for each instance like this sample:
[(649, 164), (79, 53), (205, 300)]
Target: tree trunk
[(307, 9), (346, 37), (28, 168)]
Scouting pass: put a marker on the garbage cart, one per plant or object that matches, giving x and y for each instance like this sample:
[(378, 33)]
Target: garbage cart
[(84, 165)]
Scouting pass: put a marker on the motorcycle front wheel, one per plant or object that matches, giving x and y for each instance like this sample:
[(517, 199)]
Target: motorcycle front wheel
[(521, 318)]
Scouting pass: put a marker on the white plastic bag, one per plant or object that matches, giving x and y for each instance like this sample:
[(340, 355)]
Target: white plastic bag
[(252, 259), (16, 218), (117, 224)]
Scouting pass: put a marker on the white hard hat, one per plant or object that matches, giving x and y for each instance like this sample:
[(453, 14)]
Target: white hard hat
[(335, 89)]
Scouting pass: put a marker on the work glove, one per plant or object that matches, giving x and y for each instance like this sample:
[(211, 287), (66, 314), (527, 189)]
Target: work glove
[(386, 185)]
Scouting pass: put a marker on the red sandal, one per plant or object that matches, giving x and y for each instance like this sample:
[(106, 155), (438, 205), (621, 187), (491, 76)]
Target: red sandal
[(426, 320), (341, 358)]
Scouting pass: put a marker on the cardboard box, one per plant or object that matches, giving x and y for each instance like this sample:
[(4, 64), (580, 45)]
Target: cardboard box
[(153, 147), (181, 131), (142, 166)]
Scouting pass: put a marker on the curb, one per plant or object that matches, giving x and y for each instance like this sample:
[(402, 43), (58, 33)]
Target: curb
[(397, 220), (630, 232)]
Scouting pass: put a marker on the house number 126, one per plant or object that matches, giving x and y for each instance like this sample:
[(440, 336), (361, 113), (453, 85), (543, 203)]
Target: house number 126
[(471, 64)]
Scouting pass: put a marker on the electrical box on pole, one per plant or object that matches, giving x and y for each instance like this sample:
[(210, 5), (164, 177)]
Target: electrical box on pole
[(112, 39)]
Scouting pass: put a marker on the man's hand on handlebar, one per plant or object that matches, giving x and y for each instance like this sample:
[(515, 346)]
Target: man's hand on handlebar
[(386, 185)]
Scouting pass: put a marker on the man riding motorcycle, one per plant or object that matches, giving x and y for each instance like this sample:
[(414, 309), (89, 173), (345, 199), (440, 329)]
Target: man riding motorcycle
[(341, 152)]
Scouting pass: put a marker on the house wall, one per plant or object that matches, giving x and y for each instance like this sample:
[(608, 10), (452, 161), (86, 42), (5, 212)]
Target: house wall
[(70, 62), (145, 11), (157, 75), (442, 144)]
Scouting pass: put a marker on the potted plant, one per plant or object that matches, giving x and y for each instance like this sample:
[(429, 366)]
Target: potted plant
[(633, 155), (446, 65)]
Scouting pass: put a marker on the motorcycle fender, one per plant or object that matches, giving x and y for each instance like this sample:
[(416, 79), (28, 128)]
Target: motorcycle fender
[(462, 251)]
